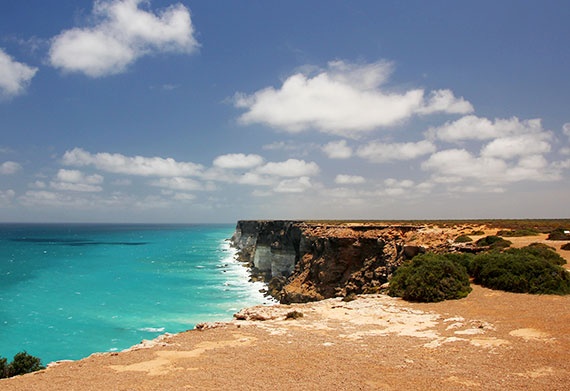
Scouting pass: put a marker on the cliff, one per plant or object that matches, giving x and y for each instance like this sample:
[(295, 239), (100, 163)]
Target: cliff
[(307, 261)]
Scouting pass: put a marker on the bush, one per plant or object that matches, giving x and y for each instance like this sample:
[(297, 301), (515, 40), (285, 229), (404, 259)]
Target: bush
[(430, 278), (565, 247), (538, 252), (476, 233), (294, 315), (558, 234), (518, 232), (463, 239), (541, 245), (494, 242), (21, 364), (519, 271), (349, 297)]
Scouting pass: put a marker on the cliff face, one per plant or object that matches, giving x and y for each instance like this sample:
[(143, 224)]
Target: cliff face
[(306, 262)]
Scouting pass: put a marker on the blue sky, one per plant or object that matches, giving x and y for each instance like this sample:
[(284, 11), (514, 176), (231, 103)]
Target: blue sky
[(203, 111)]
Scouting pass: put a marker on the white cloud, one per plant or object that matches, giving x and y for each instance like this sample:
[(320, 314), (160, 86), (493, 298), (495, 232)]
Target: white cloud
[(137, 165), (565, 151), (337, 150), (238, 160), (124, 33), (345, 99), (290, 168), (122, 182), (76, 176), (50, 198), (9, 168), (254, 179), (70, 186), (456, 165), (476, 128), (177, 183), (14, 76), (444, 101), (378, 152), (296, 185), (349, 179), (391, 182), (509, 147), (6, 197)]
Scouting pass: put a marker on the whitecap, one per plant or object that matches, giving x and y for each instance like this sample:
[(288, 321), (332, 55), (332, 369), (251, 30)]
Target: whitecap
[(152, 329)]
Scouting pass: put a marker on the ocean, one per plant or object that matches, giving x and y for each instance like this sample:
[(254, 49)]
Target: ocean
[(69, 290)]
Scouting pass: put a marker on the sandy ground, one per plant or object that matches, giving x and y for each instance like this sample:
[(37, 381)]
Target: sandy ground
[(491, 340)]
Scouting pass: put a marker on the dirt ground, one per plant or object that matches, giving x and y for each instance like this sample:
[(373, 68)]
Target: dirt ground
[(491, 340)]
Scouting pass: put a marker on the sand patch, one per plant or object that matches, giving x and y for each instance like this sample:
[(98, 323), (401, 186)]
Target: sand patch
[(539, 372), (463, 382), (489, 342), (165, 360), (530, 334)]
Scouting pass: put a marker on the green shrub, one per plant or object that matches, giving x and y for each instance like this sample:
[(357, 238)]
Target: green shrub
[(519, 271), (565, 247), (558, 234), (476, 233), (463, 239), (518, 232), (494, 242), (538, 252), (430, 278), (541, 245), (349, 297), (21, 364)]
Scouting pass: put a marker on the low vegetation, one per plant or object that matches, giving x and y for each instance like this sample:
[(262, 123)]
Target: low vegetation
[(558, 234), (533, 269), (463, 239), (565, 247), (519, 272), (430, 278), (517, 233), (493, 242), (476, 233), (21, 364)]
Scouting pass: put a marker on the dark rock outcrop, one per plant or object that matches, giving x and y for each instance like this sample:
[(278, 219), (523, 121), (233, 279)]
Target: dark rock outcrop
[(306, 262)]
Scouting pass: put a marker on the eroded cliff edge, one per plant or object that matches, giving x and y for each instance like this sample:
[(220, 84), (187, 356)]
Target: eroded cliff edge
[(304, 261)]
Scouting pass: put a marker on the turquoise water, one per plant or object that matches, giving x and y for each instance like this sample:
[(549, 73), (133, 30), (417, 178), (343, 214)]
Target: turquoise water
[(67, 291)]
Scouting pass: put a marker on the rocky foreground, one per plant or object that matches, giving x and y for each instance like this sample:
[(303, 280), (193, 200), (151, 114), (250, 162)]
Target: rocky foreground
[(491, 340)]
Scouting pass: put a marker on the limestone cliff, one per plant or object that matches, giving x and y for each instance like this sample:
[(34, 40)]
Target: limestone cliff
[(307, 261)]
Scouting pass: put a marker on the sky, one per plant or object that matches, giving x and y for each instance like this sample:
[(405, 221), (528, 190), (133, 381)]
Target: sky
[(160, 111)]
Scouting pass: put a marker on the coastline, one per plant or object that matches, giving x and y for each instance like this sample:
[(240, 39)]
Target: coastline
[(491, 340)]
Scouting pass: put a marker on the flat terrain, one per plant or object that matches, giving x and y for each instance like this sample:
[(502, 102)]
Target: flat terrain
[(491, 340)]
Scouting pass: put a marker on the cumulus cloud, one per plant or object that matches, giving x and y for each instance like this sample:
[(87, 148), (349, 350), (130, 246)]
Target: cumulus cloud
[(137, 165), (344, 99), (337, 150), (37, 185), (9, 168), (14, 76), (349, 179), (290, 168), (456, 165), (177, 183), (509, 147), (391, 182), (123, 33), (296, 185), (76, 176), (472, 127), (378, 152), (238, 160), (74, 180)]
